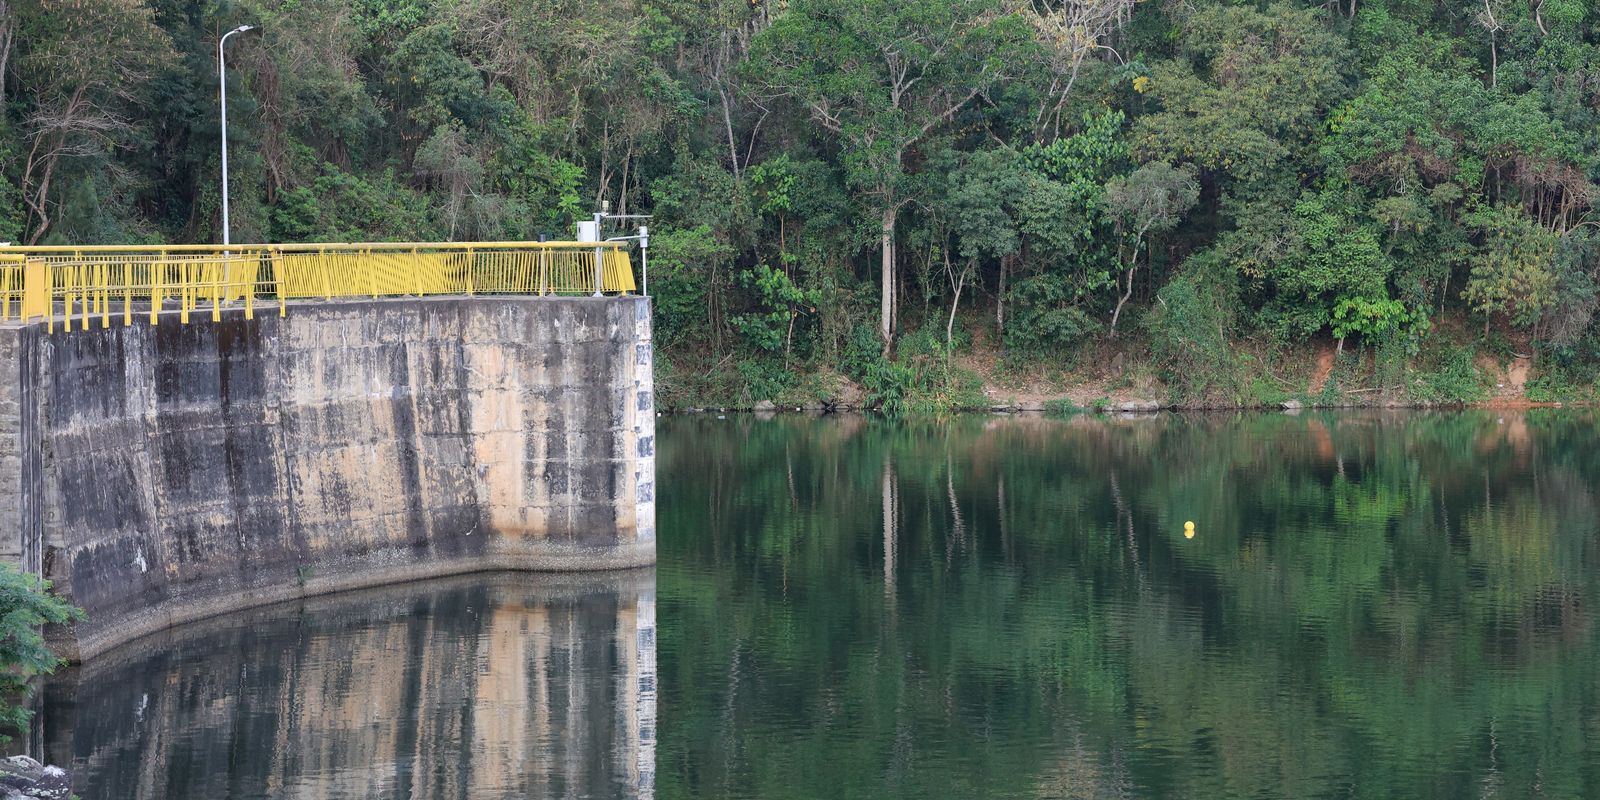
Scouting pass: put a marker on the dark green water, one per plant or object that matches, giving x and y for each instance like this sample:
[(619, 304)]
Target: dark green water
[(1374, 605)]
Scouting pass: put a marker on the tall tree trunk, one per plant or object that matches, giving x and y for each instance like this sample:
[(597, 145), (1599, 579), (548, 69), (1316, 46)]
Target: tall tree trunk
[(727, 121), (7, 26), (886, 294), (622, 196), (1494, 63), (949, 325), (1000, 298), (40, 201), (788, 340), (1133, 264), (1117, 312)]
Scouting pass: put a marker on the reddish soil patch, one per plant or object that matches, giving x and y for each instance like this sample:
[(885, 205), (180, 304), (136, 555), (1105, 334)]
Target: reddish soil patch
[(1517, 374), (1323, 368)]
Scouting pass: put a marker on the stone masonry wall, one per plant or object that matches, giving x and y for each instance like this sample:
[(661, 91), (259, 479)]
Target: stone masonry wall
[(165, 473)]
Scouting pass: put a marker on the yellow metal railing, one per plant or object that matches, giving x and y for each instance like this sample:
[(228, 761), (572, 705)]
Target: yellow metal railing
[(11, 267), (100, 283)]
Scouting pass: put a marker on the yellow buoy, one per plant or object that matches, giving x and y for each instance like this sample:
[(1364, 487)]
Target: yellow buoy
[(1188, 530)]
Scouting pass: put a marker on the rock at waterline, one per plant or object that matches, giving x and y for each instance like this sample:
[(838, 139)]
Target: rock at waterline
[(22, 778), (1139, 406)]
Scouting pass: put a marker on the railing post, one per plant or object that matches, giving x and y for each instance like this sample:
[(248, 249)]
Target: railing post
[(50, 299), (104, 302), (35, 288), (157, 298), (277, 280), (322, 264), (183, 292), (58, 282), (218, 284), (250, 286), (86, 293), (599, 270), (73, 283), (416, 272), (544, 271)]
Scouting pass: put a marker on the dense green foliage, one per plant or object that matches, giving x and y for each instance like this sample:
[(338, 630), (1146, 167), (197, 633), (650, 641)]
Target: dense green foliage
[(1199, 173), (25, 605)]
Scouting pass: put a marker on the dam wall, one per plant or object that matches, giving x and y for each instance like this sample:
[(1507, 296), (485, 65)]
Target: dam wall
[(158, 474)]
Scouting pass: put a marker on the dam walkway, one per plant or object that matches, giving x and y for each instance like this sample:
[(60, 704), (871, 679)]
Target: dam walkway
[(114, 283)]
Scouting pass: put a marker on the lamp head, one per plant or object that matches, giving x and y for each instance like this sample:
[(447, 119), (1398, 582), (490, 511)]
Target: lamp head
[(243, 28)]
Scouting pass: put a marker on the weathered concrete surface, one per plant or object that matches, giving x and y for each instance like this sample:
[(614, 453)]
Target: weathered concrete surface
[(166, 473)]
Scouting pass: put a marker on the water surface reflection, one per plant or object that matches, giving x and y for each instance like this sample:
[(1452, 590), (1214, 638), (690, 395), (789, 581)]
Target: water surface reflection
[(479, 687), (1374, 605)]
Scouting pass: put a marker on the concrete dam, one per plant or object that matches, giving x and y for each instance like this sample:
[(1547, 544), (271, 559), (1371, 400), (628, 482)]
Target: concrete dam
[(162, 473)]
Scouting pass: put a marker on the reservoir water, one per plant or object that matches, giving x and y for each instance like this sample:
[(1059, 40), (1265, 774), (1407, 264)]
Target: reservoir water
[(1372, 605)]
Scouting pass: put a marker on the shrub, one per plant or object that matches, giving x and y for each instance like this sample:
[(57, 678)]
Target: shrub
[(888, 384), (25, 606), (1568, 372), (1046, 315), (1189, 333), (1450, 378)]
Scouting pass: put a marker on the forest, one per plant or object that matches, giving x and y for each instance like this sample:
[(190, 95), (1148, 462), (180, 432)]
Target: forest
[(1188, 199)]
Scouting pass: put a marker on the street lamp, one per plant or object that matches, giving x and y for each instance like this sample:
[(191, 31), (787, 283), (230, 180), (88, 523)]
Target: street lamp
[(222, 84)]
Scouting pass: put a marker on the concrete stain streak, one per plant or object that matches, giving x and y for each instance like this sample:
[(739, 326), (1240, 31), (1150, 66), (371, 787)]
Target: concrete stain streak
[(166, 473)]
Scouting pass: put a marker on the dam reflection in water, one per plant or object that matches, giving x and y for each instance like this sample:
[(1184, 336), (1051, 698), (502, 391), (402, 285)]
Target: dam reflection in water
[(481, 687)]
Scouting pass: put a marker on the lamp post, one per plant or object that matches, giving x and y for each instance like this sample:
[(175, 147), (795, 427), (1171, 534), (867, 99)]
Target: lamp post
[(222, 85)]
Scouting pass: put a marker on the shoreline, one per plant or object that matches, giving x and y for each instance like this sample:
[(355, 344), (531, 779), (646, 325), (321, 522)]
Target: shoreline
[(1130, 407)]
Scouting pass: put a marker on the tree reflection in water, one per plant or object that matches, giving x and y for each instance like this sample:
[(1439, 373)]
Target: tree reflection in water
[(1377, 605)]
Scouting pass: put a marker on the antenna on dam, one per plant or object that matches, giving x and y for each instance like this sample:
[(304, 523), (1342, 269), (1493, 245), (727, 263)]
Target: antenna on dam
[(590, 231)]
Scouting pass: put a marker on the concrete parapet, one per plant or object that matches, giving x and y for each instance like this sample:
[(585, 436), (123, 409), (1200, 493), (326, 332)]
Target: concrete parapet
[(166, 473)]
